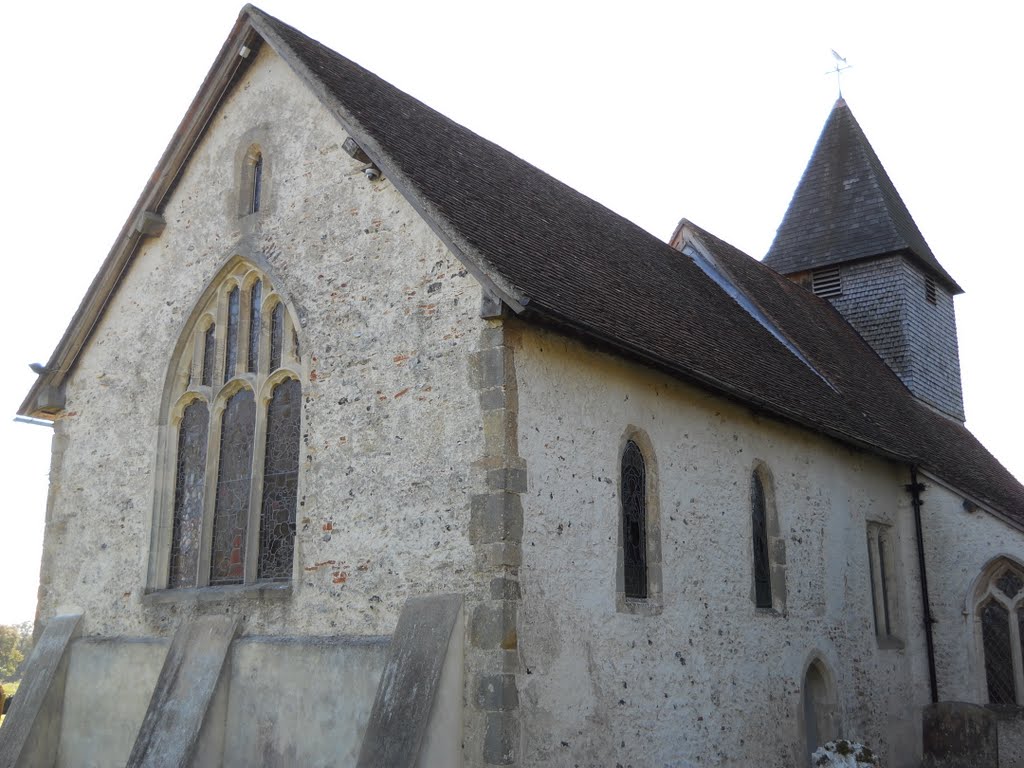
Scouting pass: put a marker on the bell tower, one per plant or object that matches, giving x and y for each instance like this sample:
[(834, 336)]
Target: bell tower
[(848, 236)]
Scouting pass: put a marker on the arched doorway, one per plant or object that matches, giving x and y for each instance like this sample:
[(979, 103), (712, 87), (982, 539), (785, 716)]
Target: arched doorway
[(819, 707)]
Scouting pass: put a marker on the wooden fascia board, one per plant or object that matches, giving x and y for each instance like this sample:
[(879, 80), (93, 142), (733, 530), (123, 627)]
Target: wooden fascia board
[(491, 279), (222, 75)]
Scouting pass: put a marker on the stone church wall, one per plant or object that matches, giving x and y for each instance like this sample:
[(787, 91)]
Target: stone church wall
[(960, 543), (391, 419), (705, 670)]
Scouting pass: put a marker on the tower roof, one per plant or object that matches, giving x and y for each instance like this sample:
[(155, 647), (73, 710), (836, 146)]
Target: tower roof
[(846, 208)]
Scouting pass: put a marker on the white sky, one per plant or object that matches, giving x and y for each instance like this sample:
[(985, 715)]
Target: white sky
[(658, 110)]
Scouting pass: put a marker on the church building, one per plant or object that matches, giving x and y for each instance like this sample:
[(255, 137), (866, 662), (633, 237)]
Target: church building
[(375, 445)]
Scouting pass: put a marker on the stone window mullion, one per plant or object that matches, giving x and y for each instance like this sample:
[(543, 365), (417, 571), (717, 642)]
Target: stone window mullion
[(252, 547), (1017, 646), (210, 491)]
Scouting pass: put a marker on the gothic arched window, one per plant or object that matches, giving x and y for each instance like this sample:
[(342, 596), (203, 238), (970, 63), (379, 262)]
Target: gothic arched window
[(768, 557), (233, 440), (634, 521), (1000, 612), (759, 526)]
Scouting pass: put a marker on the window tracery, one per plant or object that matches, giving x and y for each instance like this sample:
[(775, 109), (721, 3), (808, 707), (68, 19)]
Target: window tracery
[(1000, 614), (232, 441)]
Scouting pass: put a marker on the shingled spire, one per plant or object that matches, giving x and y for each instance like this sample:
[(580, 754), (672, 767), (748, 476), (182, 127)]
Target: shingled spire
[(848, 236)]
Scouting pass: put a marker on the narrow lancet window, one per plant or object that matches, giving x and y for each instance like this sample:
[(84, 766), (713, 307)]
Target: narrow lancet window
[(255, 319), (231, 344), (276, 336), (257, 184), (762, 565), (234, 479), (634, 522), (189, 480), (280, 482), (995, 631), (209, 355)]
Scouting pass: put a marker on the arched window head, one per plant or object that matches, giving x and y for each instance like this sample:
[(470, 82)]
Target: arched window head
[(768, 560), (638, 570), (634, 521), (1000, 614), (232, 447), (819, 707), (252, 184)]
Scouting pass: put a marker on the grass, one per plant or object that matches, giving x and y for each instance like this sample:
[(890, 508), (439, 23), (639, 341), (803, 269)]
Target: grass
[(9, 689)]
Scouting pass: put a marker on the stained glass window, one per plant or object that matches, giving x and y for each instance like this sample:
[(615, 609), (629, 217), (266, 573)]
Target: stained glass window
[(189, 481), (280, 482), (1009, 584), (255, 297), (995, 629), (209, 355), (231, 345), (234, 480), (762, 566), (634, 521), (230, 516), (276, 336)]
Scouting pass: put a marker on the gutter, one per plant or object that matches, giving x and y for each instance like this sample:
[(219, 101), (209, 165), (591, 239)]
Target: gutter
[(914, 489)]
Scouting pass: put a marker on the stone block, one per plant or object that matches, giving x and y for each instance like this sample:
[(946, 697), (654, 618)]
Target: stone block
[(497, 693), (504, 588), (493, 626), (184, 691), (959, 735), (410, 682), (495, 518), (501, 738), (31, 732), (507, 479)]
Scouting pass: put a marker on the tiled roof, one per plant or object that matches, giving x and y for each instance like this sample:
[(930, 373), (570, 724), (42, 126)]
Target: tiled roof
[(846, 208), (574, 265)]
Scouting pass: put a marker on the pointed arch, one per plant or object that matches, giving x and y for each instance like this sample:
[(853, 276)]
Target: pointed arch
[(638, 569), (819, 715), (996, 600), (228, 461), (767, 544)]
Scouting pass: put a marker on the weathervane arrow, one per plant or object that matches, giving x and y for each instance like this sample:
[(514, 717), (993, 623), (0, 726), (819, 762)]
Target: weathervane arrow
[(837, 69)]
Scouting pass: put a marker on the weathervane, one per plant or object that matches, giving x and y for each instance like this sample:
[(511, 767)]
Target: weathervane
[(838, 70)]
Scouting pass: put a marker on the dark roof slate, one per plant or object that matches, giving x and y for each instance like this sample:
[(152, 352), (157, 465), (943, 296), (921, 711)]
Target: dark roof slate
[(579, 267), (846, 208)]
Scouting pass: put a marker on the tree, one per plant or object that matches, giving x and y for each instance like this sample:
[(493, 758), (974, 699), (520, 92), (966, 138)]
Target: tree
[(11, 654)]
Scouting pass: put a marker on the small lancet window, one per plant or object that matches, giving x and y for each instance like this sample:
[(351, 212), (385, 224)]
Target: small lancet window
[(634, 521), (231, 347), (234, 478), (255, 320), (759, 526), (190, 476), (280, 482), (257, 183), (276, 336), (209, 355)]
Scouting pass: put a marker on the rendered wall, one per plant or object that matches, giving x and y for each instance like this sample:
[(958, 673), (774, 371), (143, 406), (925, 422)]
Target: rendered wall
[(109, 683), (959, 545), (710, 680)]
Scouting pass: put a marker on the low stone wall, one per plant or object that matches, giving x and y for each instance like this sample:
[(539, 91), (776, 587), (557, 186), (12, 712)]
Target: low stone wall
[(1011, 739), (960, 735)]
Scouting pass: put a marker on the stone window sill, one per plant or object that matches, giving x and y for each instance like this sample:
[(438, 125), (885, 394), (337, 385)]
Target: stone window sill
[(267, 590), (769, 612), (638, 606), (890, 644)]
